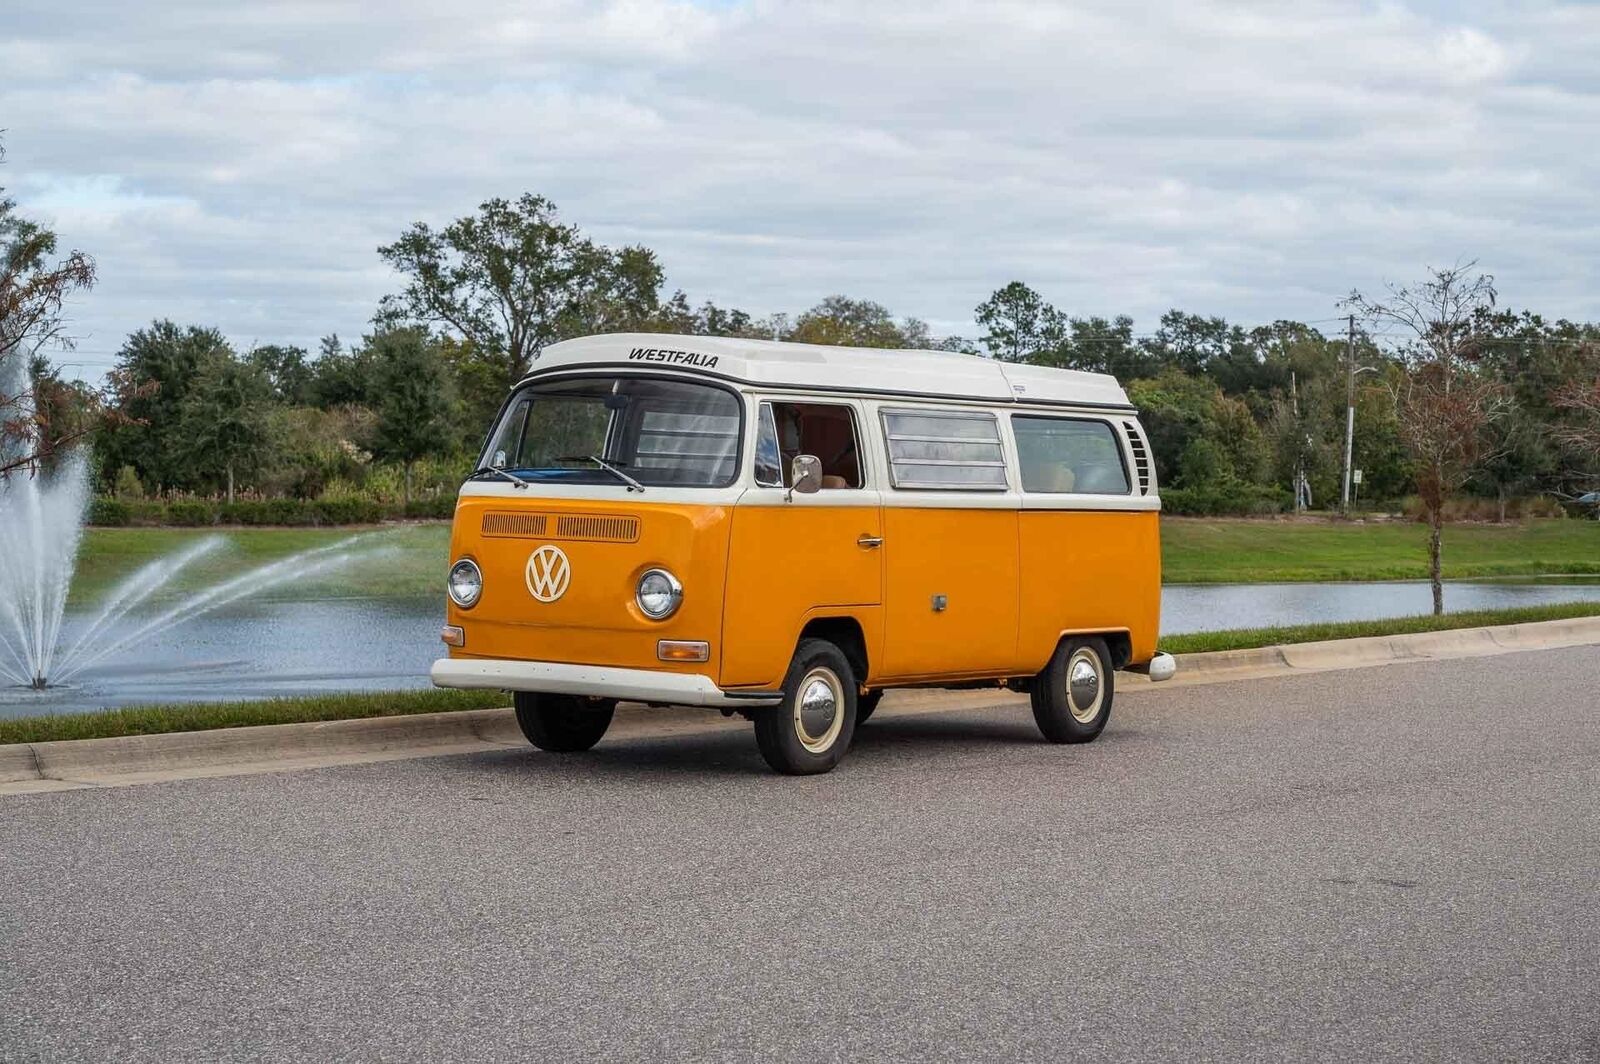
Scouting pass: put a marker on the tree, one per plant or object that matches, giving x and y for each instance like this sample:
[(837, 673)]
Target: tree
[(1019, 326), (842, 321), (345, 376), (1579, 401), (1194, 343), (414, 402), (222, 419), (288, 372), (34, 286), (1517, 457), (1445, 407), (512, 279), (156, 368)]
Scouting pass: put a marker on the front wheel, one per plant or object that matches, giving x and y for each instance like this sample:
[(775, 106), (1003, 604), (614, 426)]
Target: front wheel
[(812, 729), (1072, 694), (563, 724)]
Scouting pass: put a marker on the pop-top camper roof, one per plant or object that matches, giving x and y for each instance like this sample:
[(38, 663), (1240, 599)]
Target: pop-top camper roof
[(814, 367)]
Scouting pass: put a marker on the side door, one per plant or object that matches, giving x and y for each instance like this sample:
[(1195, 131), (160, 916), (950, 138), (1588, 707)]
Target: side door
[(793, 557), (950, 544)]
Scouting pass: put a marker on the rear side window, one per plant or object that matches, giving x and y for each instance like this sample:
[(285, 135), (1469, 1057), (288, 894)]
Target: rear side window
[(1060, 454), (945, 450)]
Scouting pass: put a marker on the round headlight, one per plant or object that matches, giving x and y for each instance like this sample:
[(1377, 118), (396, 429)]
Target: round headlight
[(659, 594), (465, 583)]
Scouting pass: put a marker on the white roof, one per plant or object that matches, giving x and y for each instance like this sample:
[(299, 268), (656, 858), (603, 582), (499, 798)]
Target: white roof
[(881, 371)]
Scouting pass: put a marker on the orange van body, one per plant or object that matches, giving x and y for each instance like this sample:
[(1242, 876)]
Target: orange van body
[(930, 587)]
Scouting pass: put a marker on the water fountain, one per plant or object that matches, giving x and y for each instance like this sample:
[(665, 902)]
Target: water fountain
[(41, 524)]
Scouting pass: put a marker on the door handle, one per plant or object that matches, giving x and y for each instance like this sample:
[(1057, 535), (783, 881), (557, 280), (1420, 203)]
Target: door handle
[(867, 542)]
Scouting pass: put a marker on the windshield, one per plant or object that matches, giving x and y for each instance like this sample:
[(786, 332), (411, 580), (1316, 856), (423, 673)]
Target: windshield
[(659, 432)]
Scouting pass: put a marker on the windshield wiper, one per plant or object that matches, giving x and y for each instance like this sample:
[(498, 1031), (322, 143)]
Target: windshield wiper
[(633, 485), (501, 473)]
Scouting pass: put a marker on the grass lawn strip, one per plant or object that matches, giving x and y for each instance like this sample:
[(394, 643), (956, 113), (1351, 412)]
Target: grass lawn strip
[(201, 716)]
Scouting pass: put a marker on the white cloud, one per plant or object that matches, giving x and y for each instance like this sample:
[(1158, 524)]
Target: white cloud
[(238, 164)]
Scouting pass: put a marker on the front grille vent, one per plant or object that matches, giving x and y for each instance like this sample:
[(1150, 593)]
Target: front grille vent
[(603, 528), (597, 527), (1141, 456), (518, 525)]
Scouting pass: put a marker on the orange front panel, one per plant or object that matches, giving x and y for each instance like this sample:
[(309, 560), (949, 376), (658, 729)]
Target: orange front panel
[(970, 558), (787, 564), (1085, 571), (608, 546)]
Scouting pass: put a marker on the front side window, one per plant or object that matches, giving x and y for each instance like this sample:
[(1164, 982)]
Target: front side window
[(826, 430), (1060, 454), (945, 449), (659, 432)]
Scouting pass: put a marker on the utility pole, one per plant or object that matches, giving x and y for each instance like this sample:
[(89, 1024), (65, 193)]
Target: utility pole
[(1349, 410)]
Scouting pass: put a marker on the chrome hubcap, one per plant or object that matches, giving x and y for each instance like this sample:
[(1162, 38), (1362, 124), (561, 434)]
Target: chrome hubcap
[(1083, 685), (819, 711)]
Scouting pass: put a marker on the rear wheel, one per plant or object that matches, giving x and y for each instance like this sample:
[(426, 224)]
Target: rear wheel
[(563, 724), (1072, 694), (812, 729)]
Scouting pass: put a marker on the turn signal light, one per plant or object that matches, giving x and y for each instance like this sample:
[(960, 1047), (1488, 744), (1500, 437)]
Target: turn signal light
[(683, 650), (453, 635)]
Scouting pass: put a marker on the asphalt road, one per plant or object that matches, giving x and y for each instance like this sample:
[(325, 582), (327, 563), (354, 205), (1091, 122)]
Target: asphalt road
[(1398, 862)]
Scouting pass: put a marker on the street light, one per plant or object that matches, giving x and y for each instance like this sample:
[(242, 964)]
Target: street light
[(1350, 423)]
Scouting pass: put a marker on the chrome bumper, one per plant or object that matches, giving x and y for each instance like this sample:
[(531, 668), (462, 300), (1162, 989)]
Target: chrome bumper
[(1161, 667), (595, 681)]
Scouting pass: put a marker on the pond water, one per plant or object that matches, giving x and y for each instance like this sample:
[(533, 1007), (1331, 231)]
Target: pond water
[(265, 649)]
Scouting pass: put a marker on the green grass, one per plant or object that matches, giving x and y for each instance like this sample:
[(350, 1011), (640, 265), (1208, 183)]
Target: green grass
[(1247, 638), (408, 559), (1211, 551), (154, 720)]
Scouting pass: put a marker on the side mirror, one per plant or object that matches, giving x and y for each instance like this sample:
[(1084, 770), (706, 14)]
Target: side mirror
[(805, 475)]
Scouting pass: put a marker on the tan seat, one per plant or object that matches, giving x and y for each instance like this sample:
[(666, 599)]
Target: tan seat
[(829, 483), (1052, 477)]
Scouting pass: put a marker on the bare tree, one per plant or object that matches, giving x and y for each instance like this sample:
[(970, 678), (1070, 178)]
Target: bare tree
[(34, 286), (1445, 406), (1580, 433)]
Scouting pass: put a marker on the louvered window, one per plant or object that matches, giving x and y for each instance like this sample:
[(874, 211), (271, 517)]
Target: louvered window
[(945, 450)]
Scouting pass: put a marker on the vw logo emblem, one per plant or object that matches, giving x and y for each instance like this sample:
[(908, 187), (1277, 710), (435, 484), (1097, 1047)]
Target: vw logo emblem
[(548, 573)]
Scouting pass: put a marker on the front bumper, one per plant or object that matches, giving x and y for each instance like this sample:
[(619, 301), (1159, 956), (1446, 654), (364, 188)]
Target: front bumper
[(595, 681)]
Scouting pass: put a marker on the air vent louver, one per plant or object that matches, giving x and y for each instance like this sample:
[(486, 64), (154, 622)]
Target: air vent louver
[(1141, 456), (517, 525), (597, 527)]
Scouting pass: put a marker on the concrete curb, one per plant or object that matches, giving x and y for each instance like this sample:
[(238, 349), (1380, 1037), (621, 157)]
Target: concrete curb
[(1291, 658), (70, 764)]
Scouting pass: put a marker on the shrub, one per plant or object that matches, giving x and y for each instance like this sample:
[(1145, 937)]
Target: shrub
[(191, 512), (346, 511), (265, 512), (109, 512), (146, 511), (128, 485), (1229, 498), (436, 507), (1477, 508)]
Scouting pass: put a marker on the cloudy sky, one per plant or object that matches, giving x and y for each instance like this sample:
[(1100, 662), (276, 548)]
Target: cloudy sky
[(236, 164)]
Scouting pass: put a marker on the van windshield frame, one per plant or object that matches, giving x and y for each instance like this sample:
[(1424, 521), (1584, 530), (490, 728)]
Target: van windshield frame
[(663, 431)]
